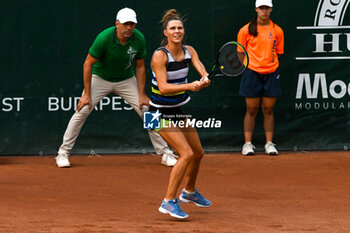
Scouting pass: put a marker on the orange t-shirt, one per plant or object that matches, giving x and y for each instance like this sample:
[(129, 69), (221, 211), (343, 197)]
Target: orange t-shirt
[(263, 49)]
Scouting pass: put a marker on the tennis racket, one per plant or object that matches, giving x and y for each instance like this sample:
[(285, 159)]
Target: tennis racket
[(231, 61)]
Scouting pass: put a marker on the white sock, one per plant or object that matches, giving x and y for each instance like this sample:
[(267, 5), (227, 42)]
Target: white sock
[(187, 192)]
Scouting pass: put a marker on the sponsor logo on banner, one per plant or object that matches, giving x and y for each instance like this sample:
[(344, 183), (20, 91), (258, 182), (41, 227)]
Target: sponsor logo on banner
[(331, 38)]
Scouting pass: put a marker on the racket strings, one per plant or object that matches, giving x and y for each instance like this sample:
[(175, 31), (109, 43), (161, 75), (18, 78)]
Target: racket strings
[(229, 61)]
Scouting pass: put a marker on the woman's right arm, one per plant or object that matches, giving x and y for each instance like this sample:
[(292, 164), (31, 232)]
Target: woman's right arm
[(159, 61)]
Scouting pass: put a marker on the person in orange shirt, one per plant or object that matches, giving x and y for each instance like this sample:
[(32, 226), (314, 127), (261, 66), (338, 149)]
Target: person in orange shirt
[(260, 83)]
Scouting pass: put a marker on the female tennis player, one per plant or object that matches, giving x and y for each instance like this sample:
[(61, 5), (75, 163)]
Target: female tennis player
[(170, 64), (260, 83)]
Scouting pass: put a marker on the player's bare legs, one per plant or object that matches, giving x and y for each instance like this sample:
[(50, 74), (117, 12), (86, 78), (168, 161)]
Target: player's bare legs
[(187, 143), (198, 153), (250, 116), (267, 106), (177, 140)]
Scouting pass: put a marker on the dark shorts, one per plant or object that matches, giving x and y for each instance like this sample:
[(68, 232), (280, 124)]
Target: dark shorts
[(254, 84), (174, 115), (169, 113)]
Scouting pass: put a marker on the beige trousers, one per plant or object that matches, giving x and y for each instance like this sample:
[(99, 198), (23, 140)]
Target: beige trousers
[(126, 89)]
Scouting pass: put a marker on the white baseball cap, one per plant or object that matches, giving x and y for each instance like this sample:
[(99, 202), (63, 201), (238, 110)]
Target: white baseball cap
[(260, 3), (126, 15)]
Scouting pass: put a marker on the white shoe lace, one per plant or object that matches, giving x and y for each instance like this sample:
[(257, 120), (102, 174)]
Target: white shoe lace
[(171, 154), (63, 153), (248, 146), (270, 147)]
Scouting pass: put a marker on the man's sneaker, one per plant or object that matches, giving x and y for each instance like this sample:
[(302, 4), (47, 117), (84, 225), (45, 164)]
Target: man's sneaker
[(173, 209), (248, 149), (62, 159), (195, 198), (169, 159), (270, 149)]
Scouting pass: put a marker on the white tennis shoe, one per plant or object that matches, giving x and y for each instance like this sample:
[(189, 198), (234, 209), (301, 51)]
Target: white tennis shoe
[(270, 149), (62, 159), (169, 159), (248, 149)]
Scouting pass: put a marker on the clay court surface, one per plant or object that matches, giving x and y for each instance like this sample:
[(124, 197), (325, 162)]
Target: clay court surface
[(294, 192)]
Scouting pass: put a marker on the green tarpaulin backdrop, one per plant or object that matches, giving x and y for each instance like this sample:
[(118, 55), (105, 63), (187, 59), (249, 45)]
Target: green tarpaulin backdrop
[(44, 44)]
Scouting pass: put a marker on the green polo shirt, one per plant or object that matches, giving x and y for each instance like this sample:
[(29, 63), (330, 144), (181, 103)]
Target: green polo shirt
[(114, 59)]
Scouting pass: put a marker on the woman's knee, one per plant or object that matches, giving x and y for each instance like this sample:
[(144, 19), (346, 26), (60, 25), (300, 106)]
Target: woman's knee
[(198, 154), (252, 111), (267, 111), (187, 155)]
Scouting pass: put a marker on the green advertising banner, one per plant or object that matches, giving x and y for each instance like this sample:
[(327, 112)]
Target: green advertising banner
[(44, 45)]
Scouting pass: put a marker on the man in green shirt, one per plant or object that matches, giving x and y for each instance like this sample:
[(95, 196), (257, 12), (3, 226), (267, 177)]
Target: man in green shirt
[(108, 68)]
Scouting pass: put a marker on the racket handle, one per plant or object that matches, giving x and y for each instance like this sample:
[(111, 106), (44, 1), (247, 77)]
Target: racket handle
[(211, 75), (206, 79)]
